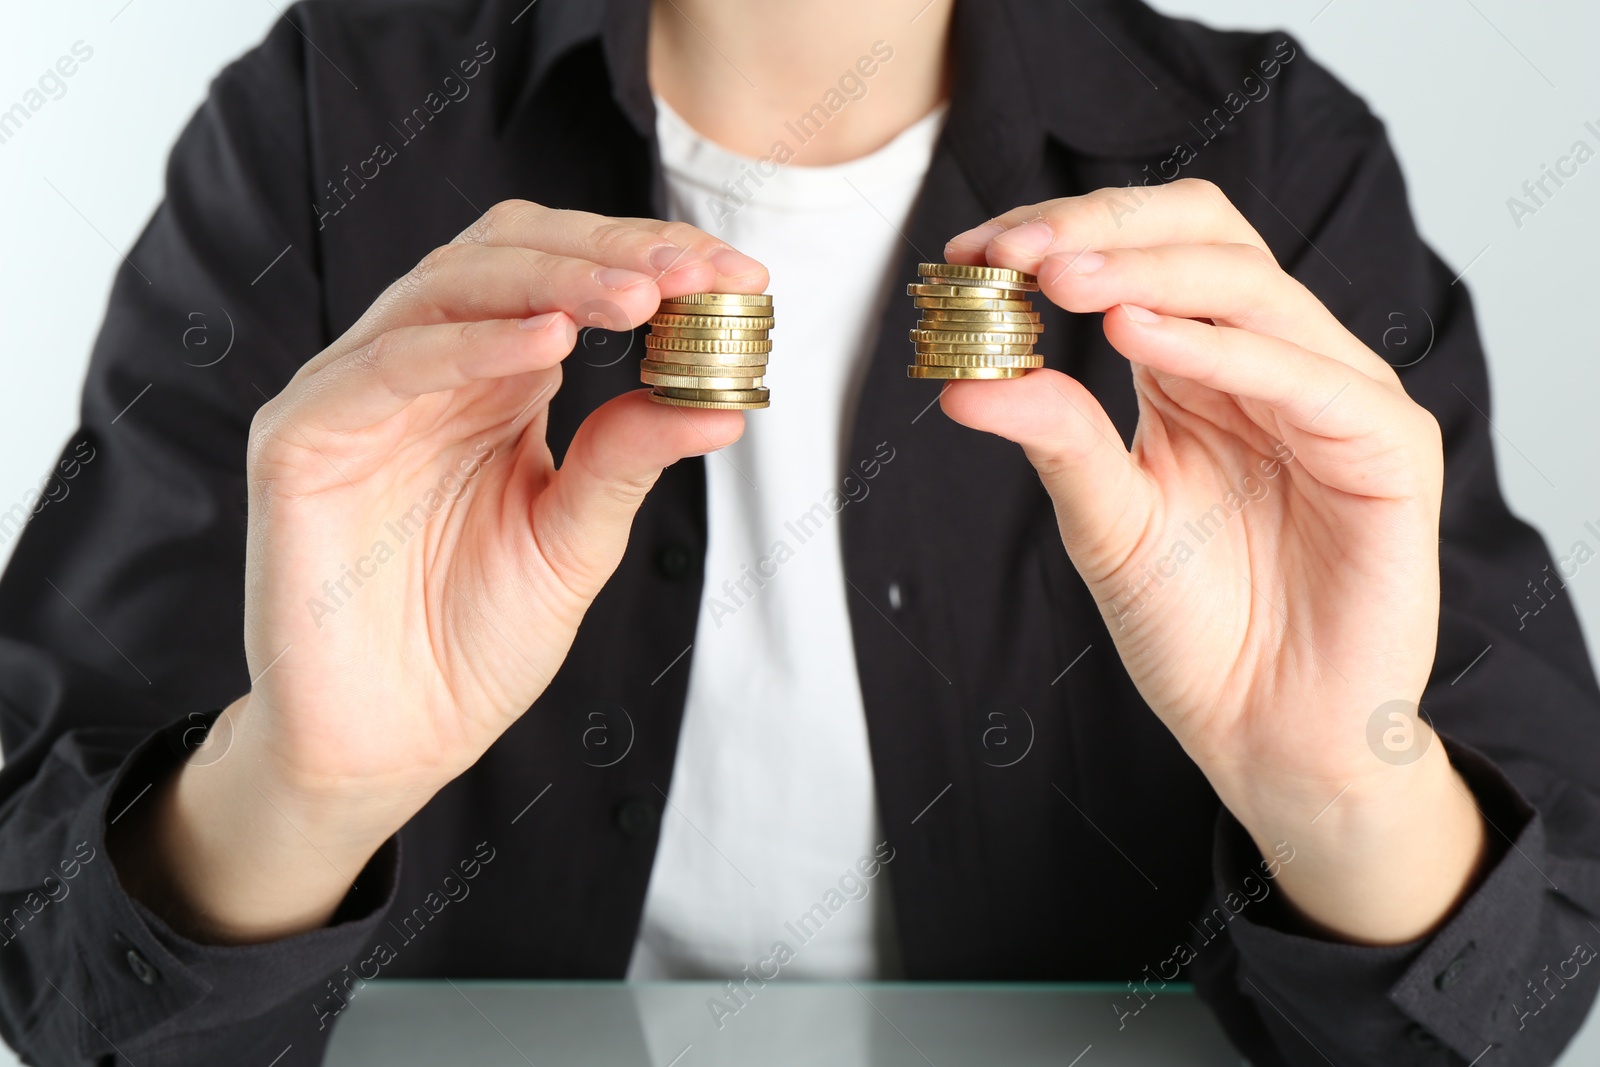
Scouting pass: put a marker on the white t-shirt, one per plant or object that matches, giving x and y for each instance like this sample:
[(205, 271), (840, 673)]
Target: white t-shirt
[(772, 809)]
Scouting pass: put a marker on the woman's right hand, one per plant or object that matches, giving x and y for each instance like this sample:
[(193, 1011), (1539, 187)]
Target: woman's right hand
[(416, 565)]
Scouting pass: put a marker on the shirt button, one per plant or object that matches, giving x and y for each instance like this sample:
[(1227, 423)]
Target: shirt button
[(897, 598), (1422, 1038), (674, 562), (635, 816), (142, 968), (1456, 967)]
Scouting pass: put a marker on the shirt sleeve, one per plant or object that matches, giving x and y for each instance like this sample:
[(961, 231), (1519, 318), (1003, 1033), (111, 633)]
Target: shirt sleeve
[(1512, 696), (121, 610), (116, 984)]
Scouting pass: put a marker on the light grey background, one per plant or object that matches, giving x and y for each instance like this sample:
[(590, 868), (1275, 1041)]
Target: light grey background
[(1478, 96)]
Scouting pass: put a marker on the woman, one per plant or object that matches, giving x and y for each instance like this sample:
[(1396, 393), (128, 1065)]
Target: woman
[(502, 643)]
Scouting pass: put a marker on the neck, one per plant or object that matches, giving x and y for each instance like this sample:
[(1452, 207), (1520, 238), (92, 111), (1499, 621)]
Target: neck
[(831, 80)]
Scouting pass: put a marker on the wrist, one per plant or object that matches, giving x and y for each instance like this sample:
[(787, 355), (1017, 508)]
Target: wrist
[(1382, 860), (351, 782), (228, 851)]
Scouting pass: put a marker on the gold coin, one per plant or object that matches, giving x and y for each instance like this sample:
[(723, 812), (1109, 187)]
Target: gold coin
[(953, 337), (708, 335), (724, 405), (732, 396), (962, 272), (713, 322), (974, 349), (756, 362), (763, 300), (953, 303), (996, 318), (1010, 333), (714, 370), (689, 344), (722, 311), (921, 371), (966, 292), (698, 381), (954, 359)]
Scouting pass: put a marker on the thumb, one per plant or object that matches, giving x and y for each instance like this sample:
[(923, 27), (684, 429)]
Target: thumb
[(1104, 502), (581, 520)]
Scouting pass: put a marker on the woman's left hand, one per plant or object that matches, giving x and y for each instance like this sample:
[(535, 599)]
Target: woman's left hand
[(1266, 554)]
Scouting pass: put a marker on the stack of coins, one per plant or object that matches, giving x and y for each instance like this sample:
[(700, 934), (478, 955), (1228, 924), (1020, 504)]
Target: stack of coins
[(709, 350), (977, 322)]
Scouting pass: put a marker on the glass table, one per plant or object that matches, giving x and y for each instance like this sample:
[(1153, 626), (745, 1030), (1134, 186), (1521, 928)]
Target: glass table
[(785, 1023), (699, 1024)]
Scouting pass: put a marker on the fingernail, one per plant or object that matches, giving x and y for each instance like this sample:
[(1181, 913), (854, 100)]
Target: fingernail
[(1086, 263), (978, 236), (617, 278), (541, 322), (670, 257), (1030, 239), (1139, 314), (729, 262)]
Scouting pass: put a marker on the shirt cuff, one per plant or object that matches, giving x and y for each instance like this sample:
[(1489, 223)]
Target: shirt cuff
[(1504, 958), (140, 982)]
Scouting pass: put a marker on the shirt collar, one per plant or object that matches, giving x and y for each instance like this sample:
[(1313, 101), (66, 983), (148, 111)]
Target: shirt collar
[(1096, 75), (553, 28)]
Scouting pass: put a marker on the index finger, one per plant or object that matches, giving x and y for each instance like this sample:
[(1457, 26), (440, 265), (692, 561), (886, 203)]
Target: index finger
[(1189, 211), (681, 258)]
